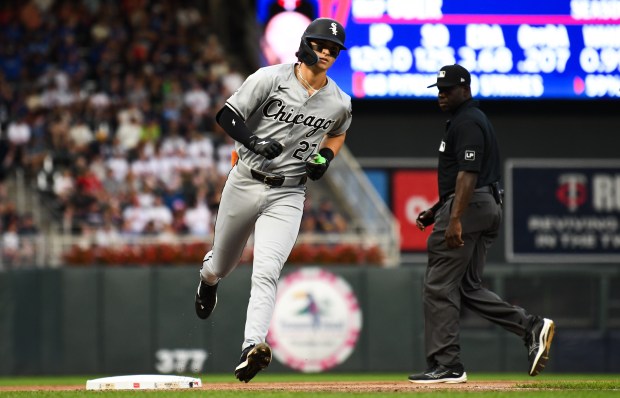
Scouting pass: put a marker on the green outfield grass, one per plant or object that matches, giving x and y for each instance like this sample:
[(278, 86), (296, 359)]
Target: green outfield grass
[(544, 386)]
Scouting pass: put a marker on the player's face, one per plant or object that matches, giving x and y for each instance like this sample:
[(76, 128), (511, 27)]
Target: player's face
[(450, 98), (326, 51)]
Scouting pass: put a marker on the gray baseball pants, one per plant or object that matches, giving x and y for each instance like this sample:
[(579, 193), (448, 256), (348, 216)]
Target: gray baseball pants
[(274, 215), (454, 279)]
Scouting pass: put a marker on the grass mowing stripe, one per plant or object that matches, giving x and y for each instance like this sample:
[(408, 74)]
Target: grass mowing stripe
[(575, 385), (544, 386), (291, 394)]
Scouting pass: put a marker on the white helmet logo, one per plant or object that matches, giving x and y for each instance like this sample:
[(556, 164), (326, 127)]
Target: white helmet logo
[(334, 29)]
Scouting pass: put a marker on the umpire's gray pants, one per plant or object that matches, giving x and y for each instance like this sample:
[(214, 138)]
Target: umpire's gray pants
[(453, 278)]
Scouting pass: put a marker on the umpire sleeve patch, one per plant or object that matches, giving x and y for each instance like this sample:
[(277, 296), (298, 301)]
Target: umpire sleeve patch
[(470, 155)]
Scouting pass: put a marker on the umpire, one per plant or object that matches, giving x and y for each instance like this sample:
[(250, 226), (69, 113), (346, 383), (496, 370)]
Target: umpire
[(467, 220)]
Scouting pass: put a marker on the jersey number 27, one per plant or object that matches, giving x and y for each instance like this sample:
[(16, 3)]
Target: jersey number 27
[(304, 146)]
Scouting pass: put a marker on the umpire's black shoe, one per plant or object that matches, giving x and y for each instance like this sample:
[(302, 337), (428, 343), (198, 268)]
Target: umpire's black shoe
[(206, 299), (441, 374), (253, 359), (538, 343)]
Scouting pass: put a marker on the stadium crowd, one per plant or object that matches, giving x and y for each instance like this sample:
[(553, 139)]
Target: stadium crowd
[(109, 107)]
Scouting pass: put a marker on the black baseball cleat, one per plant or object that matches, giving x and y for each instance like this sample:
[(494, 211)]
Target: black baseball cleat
[(538, 343), (206, 299), (253, 359), (441, 374)]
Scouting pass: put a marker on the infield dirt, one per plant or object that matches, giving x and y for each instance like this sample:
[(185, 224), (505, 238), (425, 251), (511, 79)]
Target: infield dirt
[(314, 386)]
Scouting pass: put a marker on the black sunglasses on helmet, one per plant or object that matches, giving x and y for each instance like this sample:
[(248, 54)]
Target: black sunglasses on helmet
[(332, 49)]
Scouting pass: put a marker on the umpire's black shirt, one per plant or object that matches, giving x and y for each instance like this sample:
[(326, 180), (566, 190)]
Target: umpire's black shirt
[(469, 144)]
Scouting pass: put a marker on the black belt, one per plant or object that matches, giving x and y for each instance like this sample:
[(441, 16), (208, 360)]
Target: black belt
[(274, 180), (484, 189)]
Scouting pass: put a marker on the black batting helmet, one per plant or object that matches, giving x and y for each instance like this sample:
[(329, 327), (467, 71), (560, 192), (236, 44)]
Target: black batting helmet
[(321, 29)]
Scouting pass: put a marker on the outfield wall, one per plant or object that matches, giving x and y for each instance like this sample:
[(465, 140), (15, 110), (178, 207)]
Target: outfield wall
[(136, 320)]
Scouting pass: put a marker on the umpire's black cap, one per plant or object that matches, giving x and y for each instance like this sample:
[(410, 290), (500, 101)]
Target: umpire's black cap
[(452, 75)]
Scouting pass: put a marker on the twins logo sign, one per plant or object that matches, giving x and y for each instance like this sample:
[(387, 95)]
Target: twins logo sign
[(563, 210), (316, 322), (572, 190)]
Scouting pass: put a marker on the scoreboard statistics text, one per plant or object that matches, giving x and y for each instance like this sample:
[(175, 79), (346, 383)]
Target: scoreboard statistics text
[(526, 49)]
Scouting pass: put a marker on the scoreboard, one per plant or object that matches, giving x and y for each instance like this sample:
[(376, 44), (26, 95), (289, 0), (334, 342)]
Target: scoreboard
[(526, 49)]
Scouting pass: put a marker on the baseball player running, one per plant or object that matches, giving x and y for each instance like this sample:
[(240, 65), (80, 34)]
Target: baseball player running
[(289, 121)]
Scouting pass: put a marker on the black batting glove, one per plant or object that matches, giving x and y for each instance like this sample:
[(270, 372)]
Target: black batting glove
[(265, 147), (316, 166)]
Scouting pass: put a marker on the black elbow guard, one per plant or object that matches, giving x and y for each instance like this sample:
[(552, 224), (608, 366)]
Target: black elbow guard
[(234, 125)]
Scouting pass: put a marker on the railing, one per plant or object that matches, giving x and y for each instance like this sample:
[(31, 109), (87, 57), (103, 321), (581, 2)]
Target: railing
[(350, 184)]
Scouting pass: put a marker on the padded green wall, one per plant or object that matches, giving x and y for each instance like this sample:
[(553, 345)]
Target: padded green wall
[(130, 320)]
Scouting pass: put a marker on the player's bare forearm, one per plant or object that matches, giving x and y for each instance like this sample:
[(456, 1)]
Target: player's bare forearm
[(334, 143), (317, 166)]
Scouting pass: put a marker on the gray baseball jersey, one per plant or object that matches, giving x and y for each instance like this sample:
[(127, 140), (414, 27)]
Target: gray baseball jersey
[(274, 105)]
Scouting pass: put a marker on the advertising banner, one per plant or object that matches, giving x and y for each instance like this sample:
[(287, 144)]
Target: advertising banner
[(316, 322), (412, 192), (563, 210)]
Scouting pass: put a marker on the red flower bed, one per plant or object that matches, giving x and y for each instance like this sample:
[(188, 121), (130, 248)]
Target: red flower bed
[(192, 254)]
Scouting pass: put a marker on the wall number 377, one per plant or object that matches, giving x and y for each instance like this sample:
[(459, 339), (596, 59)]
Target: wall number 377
[(180, 360)]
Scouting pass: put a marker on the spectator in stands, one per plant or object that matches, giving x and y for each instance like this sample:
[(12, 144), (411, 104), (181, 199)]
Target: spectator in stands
[(86, 236), (28, 233), (108, 235), (328, 220), (197, 100), (129, 134), (64, 184), (59, 128), (118, 162), (173, 193), (135, 217), (86, 181), (10, 245), (201, 151), (151, 132), (309, 218), (159, 214), (18, 134), (9, 214), (142, 166), (224, 155), (6, 162), (173, 141), (37, 149), (167, 235), (198, 216), (93, 215), (27, 226), (112, 186), (81, 135)]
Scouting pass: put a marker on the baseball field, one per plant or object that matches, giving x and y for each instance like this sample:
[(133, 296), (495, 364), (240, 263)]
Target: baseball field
[(335, 385)]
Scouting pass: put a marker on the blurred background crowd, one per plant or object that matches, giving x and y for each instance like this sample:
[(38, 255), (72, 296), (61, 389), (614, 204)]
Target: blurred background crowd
[(108, 109)]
